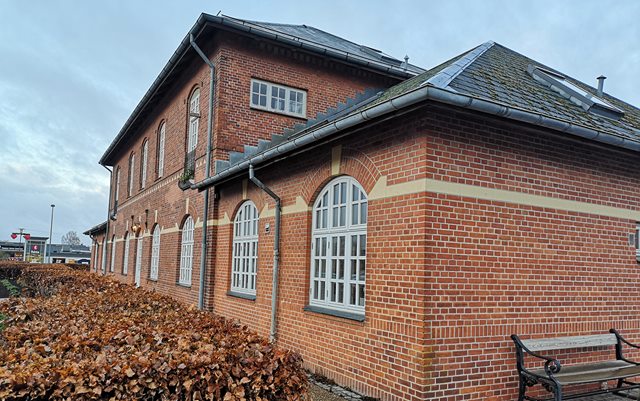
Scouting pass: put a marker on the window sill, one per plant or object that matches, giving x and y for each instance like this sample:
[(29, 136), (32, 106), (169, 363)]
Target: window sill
[(280, 113), (183, 285), (241, 295), (332, 312)]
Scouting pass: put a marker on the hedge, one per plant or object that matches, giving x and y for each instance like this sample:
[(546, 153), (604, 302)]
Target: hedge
[(79, 336)]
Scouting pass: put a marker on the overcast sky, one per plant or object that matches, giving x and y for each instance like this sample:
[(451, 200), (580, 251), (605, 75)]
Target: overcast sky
[(71, 72)]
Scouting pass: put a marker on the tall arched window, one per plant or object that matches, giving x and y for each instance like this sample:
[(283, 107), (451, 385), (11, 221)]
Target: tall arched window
[(338, 244), (161, 135), (116, 190), (143, 163), (194, 118), (245, 249), (186, 252), (96, 255), (125, 255), (155, 253), (132, 165), (113, 254)]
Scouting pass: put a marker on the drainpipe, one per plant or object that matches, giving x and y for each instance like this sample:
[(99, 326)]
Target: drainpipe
[(205, 212), (276, 251), (106, 229)]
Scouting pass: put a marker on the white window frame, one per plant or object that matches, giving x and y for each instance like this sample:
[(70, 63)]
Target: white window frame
[(143, 167), (186, 252), (113, 254), (244, 265), (132, 164), (194, 120), (161, 136), (125, 255), (117, 188), (270, 98), (138, 265), (338, 244), (155, 253), (95, 256)]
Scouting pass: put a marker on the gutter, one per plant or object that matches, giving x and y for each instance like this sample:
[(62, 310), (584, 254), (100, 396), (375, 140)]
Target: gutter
[(106, 229), (276, 252), (205, 212), (421, 94)]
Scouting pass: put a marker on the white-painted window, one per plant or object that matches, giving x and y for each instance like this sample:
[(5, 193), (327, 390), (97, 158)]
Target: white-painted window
[(117, 188), (155, 253), (245, 249), (194, 118), (338, 247), (125, 256), (186, 252), (95, 256), (138, 266), (113, 254), (143, 166), (132, 164), (278, 98), (637, 241), (161, 135)]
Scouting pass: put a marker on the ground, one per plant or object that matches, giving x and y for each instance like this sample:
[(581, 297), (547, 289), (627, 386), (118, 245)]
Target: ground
[(319, 394)]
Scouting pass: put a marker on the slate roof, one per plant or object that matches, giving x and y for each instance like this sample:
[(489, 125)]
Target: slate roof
[(329, 40), (490, 72), (499, 74)]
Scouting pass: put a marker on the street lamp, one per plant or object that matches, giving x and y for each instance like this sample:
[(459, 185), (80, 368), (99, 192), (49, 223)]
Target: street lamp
[(50, 234)]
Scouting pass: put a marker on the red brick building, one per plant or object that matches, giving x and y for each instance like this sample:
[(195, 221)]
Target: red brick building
[(394, 226)]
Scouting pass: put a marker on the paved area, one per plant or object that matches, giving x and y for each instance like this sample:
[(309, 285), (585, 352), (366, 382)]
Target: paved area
[(320, 394)]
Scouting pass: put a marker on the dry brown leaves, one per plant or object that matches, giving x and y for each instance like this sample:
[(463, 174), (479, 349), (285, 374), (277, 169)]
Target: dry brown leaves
[(84, 337)]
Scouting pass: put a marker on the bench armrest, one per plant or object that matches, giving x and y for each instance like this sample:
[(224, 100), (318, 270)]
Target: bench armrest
[(551, 365), (619, 347)]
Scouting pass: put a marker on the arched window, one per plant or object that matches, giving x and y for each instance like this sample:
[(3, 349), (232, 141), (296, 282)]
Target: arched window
[(125, 256), (245, 249), (194, 118), (143, 163), (116, 190), (186, 252), (138, 265), (338, 246), (96, 255), (132, 164), (155, 253), (113, 254), (161, 135)]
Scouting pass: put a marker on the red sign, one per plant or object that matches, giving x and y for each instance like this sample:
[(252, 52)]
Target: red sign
[(14, 236), (27, 237), (35, 247)]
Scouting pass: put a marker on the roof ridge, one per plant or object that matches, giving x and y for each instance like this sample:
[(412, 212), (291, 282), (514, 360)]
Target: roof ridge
[(448, 74)]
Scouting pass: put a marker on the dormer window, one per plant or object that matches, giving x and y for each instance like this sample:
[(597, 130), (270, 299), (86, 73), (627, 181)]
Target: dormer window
[(588, 101), (278, 98)]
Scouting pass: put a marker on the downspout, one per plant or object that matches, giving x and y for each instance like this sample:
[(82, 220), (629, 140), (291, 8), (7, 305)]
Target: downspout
[(205, 212), (276, 251), (106, 229)]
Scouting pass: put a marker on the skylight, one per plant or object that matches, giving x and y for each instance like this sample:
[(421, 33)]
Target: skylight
[(588, 101)]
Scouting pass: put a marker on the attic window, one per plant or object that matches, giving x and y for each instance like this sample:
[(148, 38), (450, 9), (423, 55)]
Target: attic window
[(278, 98), (588, 101)]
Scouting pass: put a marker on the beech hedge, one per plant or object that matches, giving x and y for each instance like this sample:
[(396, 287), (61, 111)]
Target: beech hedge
[(78, 336)]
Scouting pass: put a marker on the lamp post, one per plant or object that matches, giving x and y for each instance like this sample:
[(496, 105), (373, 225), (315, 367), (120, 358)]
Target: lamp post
[(50, 234)]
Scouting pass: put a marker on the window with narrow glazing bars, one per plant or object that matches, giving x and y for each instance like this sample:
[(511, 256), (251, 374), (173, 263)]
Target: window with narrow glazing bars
[(143, 164), (186, 252), (338, 247), (113, 254), (132, 163), (125, 256), (155, 253), (278, 98), (245, 249), (161, 135), (194, 118)]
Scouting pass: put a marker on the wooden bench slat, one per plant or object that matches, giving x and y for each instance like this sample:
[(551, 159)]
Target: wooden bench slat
[(592, 373), (549, 344)]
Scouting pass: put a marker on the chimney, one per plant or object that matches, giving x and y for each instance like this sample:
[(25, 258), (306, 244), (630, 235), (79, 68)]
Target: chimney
[(601, 79)]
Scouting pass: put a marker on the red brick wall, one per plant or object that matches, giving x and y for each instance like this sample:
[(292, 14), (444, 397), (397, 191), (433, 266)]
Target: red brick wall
[(499, 267), (384, 356)]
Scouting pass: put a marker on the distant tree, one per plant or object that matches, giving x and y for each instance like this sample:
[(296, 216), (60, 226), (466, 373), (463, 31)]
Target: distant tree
[(71, 238)]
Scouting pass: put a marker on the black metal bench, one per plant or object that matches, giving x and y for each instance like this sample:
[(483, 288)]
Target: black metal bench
[(554, 377)]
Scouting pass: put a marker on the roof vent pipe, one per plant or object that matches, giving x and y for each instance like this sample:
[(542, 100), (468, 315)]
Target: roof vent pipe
[(601, 79)]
